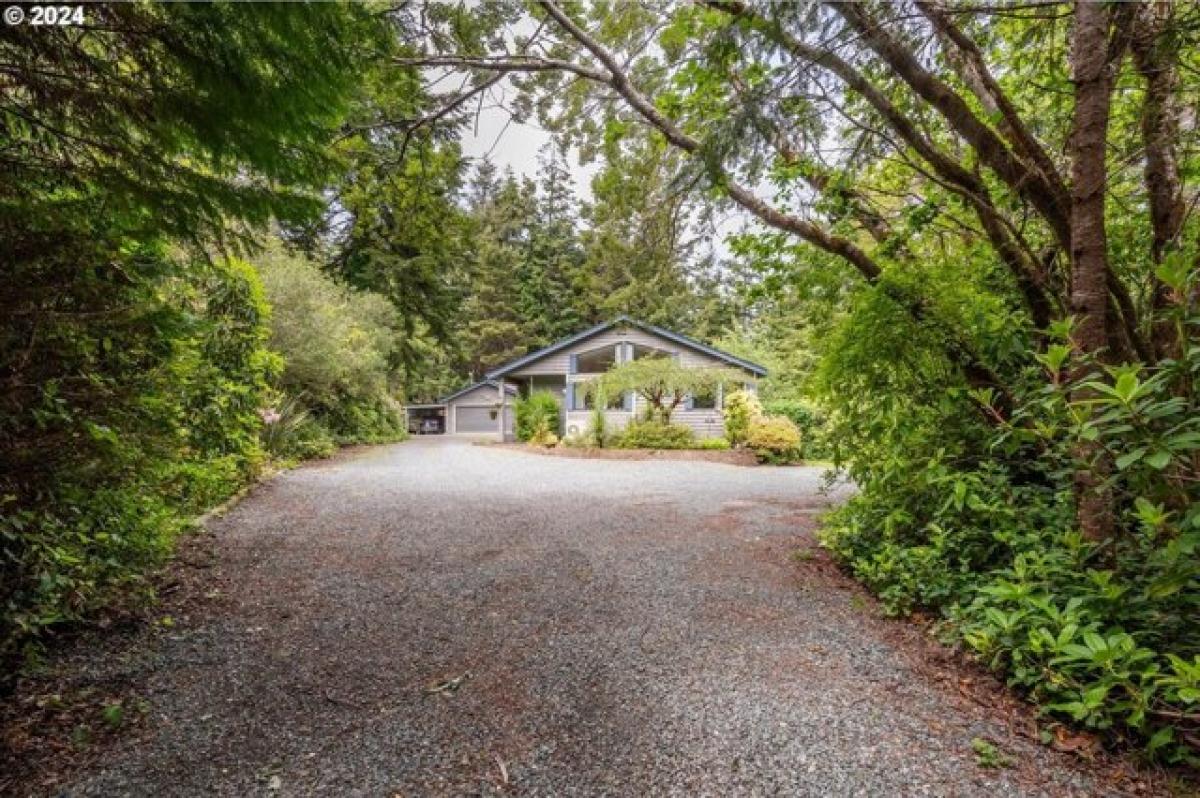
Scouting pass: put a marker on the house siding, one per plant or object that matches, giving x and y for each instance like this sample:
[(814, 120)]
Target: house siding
[(704, 423), (483, 395)]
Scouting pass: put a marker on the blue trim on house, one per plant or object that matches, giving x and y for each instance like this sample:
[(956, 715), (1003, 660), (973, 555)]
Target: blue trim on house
[(570, 396), (512, 389), (599, 328)]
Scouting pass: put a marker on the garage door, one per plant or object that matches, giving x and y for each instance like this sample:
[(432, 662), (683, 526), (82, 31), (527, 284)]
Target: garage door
[(475, 419)]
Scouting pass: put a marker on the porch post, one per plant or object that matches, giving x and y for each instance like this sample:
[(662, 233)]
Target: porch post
[(500, 415)]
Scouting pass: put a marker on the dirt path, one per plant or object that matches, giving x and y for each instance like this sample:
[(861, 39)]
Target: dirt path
[(596, 627)]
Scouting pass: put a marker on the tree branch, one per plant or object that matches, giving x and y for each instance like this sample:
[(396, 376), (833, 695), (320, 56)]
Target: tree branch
[(989, 92), (999, 158)]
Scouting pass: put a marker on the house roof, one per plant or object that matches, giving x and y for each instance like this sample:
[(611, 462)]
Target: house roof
[(682, 340), (490, 382)]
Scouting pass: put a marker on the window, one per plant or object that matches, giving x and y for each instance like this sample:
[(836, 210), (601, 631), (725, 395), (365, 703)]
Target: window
[(597, 361), (705, 400), (585, 399), (640, 351)]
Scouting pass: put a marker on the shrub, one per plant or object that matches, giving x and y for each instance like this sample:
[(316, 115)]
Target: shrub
[(808, 421), (538, 409), (543, 436), (377, 419), (774, 439), (1102, 634), (291, 433), (135, 411), (338, 345), (596, 429), (741, 408), (713, 444), (654, 435)]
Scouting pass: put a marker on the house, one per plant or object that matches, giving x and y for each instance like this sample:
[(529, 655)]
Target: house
[(476, 409), (486, 407)]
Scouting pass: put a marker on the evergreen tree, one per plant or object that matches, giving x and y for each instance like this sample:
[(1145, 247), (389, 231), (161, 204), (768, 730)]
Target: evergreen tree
[(495, 329)]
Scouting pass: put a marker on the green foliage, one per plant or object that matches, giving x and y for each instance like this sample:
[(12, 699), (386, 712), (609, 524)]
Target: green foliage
[(542, 434), (596, 424), (988, 755), (101, 472), (654, 435), (1101, 633), (133, 354), (740, 409), (663, 382), (713, 444), (338, 349), (808, 420), (774, 439), (538, 410), (291, 433)]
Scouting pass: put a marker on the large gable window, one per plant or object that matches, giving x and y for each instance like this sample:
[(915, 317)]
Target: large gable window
[(640, 351), (596, 361)]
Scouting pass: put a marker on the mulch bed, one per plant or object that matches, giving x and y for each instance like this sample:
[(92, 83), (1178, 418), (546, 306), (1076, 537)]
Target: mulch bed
[(728, 457)]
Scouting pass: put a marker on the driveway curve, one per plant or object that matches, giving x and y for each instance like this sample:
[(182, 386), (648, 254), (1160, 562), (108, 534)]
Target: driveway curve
[(441, 618)]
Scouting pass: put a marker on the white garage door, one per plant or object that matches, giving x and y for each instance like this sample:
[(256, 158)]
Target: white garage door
[(475, 419)]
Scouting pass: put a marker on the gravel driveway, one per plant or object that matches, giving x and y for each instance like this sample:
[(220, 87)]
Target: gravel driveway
[(598, 627)]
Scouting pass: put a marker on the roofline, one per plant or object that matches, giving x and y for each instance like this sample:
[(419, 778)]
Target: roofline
[(489, 382), (748, 365), (623, 319)]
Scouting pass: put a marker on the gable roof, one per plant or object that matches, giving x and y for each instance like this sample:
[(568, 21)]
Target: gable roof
[(682, 340), (488, 382)]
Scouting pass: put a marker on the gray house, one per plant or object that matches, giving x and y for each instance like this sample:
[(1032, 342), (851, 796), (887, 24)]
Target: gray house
[(486, 407)]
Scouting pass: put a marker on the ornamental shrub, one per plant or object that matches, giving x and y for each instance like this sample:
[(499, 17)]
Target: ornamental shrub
[(810, 422), (597, 428), (741, 407), (543, 436), (539, 409), (713, 444), (774, 439), (654, 435)]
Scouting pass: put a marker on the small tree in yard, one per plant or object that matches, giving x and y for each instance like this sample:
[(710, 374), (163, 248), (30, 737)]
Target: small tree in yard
[(663, 382)]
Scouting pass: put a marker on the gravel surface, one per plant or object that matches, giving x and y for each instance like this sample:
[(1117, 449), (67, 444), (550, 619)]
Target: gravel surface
[(613, 628)]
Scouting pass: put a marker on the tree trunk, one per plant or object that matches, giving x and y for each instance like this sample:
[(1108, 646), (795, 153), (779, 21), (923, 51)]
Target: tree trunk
[(1160, 126), (1092, 74)]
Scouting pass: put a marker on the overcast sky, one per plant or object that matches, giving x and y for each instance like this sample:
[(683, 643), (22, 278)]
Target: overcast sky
[(516, 145)]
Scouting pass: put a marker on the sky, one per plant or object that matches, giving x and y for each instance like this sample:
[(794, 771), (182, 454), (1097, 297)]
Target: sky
[(516, 145)]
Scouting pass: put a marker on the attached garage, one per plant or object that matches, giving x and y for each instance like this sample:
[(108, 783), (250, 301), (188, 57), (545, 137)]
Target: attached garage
[(470, 418), (476, 409)]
